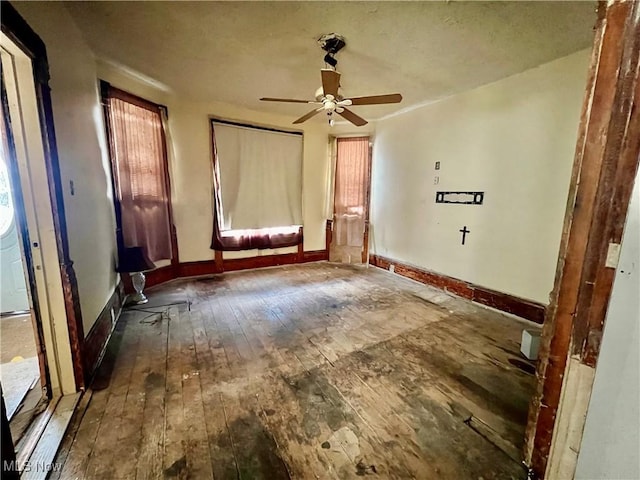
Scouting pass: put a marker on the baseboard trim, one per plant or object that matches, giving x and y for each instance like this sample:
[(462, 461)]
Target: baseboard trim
[(315, 256), (505, 302), (96, 340), (156, 277), (236, 264), (211, 267), (219, 265)]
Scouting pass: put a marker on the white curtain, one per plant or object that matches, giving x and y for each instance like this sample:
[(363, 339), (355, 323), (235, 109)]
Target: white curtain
[(260, 177)]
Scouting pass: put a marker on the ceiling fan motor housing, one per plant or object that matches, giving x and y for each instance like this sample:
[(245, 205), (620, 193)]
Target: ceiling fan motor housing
[(332, 43)]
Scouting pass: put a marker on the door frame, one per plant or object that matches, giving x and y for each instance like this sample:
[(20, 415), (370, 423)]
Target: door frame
[(18, 31), (21, 225), (605, 166), (367, 217)]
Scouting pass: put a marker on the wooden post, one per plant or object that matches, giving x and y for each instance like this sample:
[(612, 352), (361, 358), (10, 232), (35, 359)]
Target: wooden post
[(219, 261), (328, 233), (300, 257), (365, 243), (605, 164)]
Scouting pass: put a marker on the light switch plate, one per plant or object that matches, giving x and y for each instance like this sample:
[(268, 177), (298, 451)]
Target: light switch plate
[(613, 255)]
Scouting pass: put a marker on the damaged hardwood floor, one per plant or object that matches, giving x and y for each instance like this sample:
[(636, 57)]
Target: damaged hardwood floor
[(312, 371)]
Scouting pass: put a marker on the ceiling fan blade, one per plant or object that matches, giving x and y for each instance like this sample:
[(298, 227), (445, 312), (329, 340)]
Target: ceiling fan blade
[(289, 100), (306, 117), (330, 82), (353, 118), (377, 99)]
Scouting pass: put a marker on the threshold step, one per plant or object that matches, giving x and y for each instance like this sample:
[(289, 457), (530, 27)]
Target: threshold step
[(40, 462)]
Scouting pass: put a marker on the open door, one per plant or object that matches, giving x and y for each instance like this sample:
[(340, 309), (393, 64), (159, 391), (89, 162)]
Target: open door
[(350, 239)]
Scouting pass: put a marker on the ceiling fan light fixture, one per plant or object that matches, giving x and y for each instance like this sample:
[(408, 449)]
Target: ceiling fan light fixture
[(329, 105)]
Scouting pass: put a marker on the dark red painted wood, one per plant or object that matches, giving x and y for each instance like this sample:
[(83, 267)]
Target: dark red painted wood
[(97, 338)]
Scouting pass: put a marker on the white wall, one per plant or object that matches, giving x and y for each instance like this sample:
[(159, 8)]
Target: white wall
[(82, 152), (513, 139), (191, 169), (611, 443)]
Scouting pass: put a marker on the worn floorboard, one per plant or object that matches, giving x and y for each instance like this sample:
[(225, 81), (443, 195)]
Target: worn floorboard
[(312, 371)]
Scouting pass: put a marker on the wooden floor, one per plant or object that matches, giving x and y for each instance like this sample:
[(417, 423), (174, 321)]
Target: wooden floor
[(313, 371)]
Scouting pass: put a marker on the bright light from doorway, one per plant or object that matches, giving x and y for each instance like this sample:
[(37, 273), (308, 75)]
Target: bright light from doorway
[(6, 202)]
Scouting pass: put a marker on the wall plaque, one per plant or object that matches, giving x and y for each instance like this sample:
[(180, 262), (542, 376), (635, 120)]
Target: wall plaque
[(465, 198)]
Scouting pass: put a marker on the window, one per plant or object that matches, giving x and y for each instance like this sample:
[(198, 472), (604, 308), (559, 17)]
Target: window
[(140, 174), (257, 187), (351, 190)]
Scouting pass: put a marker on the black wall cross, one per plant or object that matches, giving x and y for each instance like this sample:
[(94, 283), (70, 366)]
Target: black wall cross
[(464, 232)]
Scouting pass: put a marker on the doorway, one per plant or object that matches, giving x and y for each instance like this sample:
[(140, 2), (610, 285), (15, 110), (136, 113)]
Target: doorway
[(350, 239), (23, 365)]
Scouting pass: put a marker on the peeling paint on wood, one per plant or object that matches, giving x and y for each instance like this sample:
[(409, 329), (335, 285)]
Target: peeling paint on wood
[(606, 159)]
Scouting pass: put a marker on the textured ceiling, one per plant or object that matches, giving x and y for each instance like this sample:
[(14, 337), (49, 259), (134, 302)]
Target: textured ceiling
[(236, 52)]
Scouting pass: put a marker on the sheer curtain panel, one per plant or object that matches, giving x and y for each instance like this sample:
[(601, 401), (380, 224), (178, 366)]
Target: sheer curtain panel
[(352, 180), (139, 161)]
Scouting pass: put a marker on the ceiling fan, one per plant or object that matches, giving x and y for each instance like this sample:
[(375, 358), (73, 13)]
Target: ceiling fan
[(328, 96), (330, 101)]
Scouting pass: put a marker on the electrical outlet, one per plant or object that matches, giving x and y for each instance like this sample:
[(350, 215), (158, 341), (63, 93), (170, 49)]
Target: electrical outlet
[(392, 268), (436, 180)]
